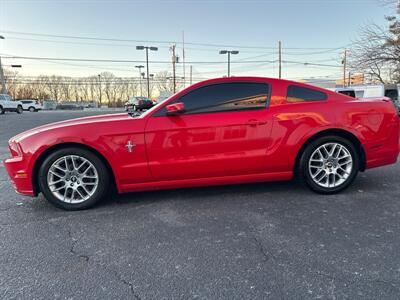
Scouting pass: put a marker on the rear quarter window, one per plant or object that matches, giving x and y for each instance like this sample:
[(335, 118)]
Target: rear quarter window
[(302, 94)]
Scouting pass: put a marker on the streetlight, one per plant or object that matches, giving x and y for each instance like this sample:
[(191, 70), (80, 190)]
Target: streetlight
[(229, 52), (147, 64), (140, 78)]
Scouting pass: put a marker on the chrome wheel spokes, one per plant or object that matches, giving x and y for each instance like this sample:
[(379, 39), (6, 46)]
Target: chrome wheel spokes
[(330, 165), (72, 179)]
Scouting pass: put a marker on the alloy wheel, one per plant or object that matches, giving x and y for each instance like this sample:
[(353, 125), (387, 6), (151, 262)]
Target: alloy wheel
[(72, 179), (330, 165)]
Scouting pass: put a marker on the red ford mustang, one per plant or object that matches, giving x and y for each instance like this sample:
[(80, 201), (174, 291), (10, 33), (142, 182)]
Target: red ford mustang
[(220, 131)]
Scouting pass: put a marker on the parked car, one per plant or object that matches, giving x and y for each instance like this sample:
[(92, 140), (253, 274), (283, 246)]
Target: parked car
[(69, 106), (31, 105), (222, 131), (7, 104), (138, 103)]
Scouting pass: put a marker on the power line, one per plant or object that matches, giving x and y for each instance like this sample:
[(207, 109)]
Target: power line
[(157, 41), (160, 62)]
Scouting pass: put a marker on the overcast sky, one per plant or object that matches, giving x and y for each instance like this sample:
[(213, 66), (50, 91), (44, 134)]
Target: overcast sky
[(304, 27)]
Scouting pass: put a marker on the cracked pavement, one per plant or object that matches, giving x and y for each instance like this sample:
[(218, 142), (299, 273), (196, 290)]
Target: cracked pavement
[(253, 241)]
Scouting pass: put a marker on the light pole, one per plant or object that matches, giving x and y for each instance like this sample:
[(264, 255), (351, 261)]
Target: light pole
[(147, 64), (229, 52), (140, 78)]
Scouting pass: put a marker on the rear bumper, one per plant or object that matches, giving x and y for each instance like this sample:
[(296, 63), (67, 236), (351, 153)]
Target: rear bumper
[(20, 177), (383, 152)]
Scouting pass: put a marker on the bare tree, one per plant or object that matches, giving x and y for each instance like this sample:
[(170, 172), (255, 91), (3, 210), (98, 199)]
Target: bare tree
[(12, 78), (377, 51), (108, 82), (54, 84)]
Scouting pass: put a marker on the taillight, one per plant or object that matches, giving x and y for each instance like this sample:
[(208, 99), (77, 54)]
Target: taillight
[(15, 149)]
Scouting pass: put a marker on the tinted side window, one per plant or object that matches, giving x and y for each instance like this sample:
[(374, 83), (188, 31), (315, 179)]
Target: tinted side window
[(348, 93), (225, 97), (392, 94), (301, 94)]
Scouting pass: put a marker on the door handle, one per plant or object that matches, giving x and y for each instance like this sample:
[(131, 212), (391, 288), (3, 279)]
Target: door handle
[(254, 122)]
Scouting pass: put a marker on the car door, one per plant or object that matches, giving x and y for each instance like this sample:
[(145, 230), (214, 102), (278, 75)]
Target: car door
[(9, 103), (224, 131)]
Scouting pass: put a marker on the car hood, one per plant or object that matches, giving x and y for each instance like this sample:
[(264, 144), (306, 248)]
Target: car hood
[(72, 122)]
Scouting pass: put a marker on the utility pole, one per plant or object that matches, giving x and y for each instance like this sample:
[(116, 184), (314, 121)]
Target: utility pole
[(2, 79), (183, 58), (191, 72), (344, 62), (100, 92), (140, 78), (173, 67), (349, 79), (280, 59)]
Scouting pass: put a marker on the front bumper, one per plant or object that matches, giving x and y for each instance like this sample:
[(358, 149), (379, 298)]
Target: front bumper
[(20, 177)]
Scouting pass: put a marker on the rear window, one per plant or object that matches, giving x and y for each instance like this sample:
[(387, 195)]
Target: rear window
[(302, 94)]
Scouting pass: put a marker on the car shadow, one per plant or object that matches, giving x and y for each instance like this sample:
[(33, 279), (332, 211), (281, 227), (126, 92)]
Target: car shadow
[(285, 189)]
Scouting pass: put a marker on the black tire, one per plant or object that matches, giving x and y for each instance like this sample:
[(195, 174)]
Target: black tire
[(102, 171), (2, 111), (304, 172), (31, 109), (19, 109)]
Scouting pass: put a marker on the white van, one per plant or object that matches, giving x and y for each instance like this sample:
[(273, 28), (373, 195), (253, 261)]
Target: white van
[(391, 91)]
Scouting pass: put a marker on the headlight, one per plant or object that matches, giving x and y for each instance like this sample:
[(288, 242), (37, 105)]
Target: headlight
[(15, 149)]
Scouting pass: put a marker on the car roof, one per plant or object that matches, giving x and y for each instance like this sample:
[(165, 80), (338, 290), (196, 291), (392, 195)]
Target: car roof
[(270, 80)]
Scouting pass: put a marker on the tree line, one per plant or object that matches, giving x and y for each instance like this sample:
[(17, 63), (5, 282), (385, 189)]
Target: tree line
[(104, 88)]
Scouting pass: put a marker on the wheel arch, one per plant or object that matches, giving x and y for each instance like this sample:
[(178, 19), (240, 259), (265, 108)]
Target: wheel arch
[(48, 151), (338, 132)]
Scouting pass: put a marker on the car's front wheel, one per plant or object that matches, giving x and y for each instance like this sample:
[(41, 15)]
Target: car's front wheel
[(2, 111), (73, 178), (329, 165), (19, 109)]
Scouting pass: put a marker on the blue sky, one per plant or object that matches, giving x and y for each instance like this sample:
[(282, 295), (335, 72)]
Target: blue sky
[(307, 25)]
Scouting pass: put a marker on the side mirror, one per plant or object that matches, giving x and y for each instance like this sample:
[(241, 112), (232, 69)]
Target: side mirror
[(175, 108)]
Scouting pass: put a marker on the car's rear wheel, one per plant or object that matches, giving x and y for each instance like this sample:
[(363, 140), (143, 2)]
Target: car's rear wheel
[(2, 111), (329, 165), (19, 109), (73, 178), (32, 109)]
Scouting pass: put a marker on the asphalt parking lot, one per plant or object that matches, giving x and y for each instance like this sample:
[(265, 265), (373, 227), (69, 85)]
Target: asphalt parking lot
[(253, 241)]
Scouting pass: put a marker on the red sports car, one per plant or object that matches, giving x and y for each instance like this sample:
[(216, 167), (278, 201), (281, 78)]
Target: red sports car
[(220, 131)]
